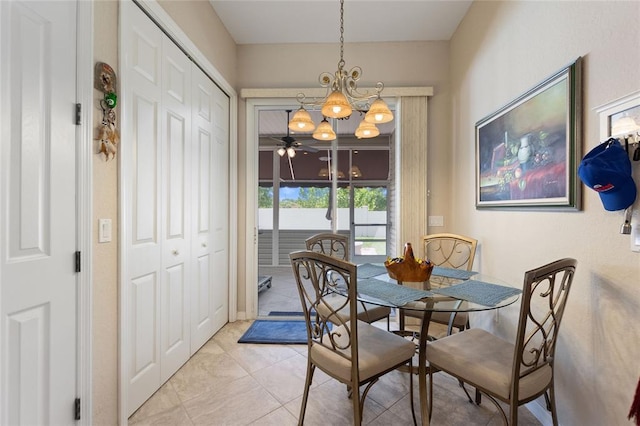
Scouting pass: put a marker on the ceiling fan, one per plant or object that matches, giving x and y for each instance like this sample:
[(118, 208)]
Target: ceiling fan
[(289, 145)]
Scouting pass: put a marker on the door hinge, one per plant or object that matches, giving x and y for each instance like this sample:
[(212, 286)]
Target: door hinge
[(78, 112), (78, 261), (76, 409)]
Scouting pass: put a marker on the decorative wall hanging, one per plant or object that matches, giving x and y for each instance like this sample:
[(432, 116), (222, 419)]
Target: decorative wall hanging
[(527, 152), (107, 133), (621, 119)]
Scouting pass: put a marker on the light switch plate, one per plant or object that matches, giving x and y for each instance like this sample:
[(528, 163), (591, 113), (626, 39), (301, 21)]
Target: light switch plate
[(104, 230), (635, 231), (436, 221)]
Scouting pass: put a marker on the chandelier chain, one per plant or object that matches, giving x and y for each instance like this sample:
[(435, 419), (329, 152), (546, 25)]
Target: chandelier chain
[(341, 63)]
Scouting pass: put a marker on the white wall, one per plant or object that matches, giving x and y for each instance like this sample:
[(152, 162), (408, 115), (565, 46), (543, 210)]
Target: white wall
[(500, 50)]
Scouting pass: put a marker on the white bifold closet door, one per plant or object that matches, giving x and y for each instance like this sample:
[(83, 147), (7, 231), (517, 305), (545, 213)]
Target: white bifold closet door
[(175, 153), (210, 192)]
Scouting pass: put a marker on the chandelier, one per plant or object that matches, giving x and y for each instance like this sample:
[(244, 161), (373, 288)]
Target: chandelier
[(341, 100)]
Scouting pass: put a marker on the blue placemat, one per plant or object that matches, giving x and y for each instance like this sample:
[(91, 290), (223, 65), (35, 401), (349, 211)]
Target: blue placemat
[(460, 274), (479, 292), (369, 270), (395, 294)]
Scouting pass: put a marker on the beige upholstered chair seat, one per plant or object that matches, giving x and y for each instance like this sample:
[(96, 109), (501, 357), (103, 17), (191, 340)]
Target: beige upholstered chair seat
[(485, 361), (460, 320), (378, 350)]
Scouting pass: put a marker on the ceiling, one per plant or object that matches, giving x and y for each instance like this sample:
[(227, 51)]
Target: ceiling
[(318, 21)]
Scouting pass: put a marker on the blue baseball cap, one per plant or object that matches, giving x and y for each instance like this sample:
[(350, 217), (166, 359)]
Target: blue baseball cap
[(607, 170)]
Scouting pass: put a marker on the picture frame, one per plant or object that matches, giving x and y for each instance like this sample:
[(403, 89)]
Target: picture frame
[(612, 115), (527, 152)]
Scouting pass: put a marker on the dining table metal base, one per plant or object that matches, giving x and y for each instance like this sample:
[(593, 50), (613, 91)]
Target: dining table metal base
[(422, 368)]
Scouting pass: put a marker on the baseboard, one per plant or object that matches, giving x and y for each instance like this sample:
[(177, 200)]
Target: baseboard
[(241, 315), (540, 413)]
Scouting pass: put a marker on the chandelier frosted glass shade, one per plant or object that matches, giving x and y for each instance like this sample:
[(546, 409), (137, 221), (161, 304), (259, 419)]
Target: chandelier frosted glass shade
[(324, 131), (336, 106), (301, 121), (367, 130), (378, 113)]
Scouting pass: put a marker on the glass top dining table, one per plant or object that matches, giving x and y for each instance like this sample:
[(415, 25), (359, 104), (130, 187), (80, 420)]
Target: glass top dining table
[(447, 290)]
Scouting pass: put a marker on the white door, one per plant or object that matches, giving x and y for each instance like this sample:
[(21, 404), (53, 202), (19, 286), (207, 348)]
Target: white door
[(220, 213), (175, 211), (175, 189), (158, 205), (142, 160), (210, 189), (38, 294)]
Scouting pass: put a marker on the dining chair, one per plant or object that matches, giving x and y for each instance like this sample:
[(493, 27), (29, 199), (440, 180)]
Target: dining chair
[(337, 245), (450, 251), (512, 372), (353, 352)]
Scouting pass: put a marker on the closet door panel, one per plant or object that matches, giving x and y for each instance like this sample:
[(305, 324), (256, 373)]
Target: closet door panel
[(220, 209), (203, 193), (176, 204), (141, 159)]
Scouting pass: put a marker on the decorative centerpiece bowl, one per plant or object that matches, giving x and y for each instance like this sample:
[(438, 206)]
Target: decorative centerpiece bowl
[(407, 268)]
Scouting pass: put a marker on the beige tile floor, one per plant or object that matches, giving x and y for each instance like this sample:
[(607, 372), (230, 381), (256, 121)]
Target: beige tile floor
[(227, 383)]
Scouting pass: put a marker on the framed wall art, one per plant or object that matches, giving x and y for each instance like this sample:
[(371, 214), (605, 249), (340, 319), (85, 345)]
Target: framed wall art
[(527, 152)]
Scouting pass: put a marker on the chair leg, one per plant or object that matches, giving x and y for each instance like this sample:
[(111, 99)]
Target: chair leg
[(305, 396), (552, 405), (546, 400), (461, 384), (430, 399), (478, 397), (413, 411), (357, 407), (513, 413)]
